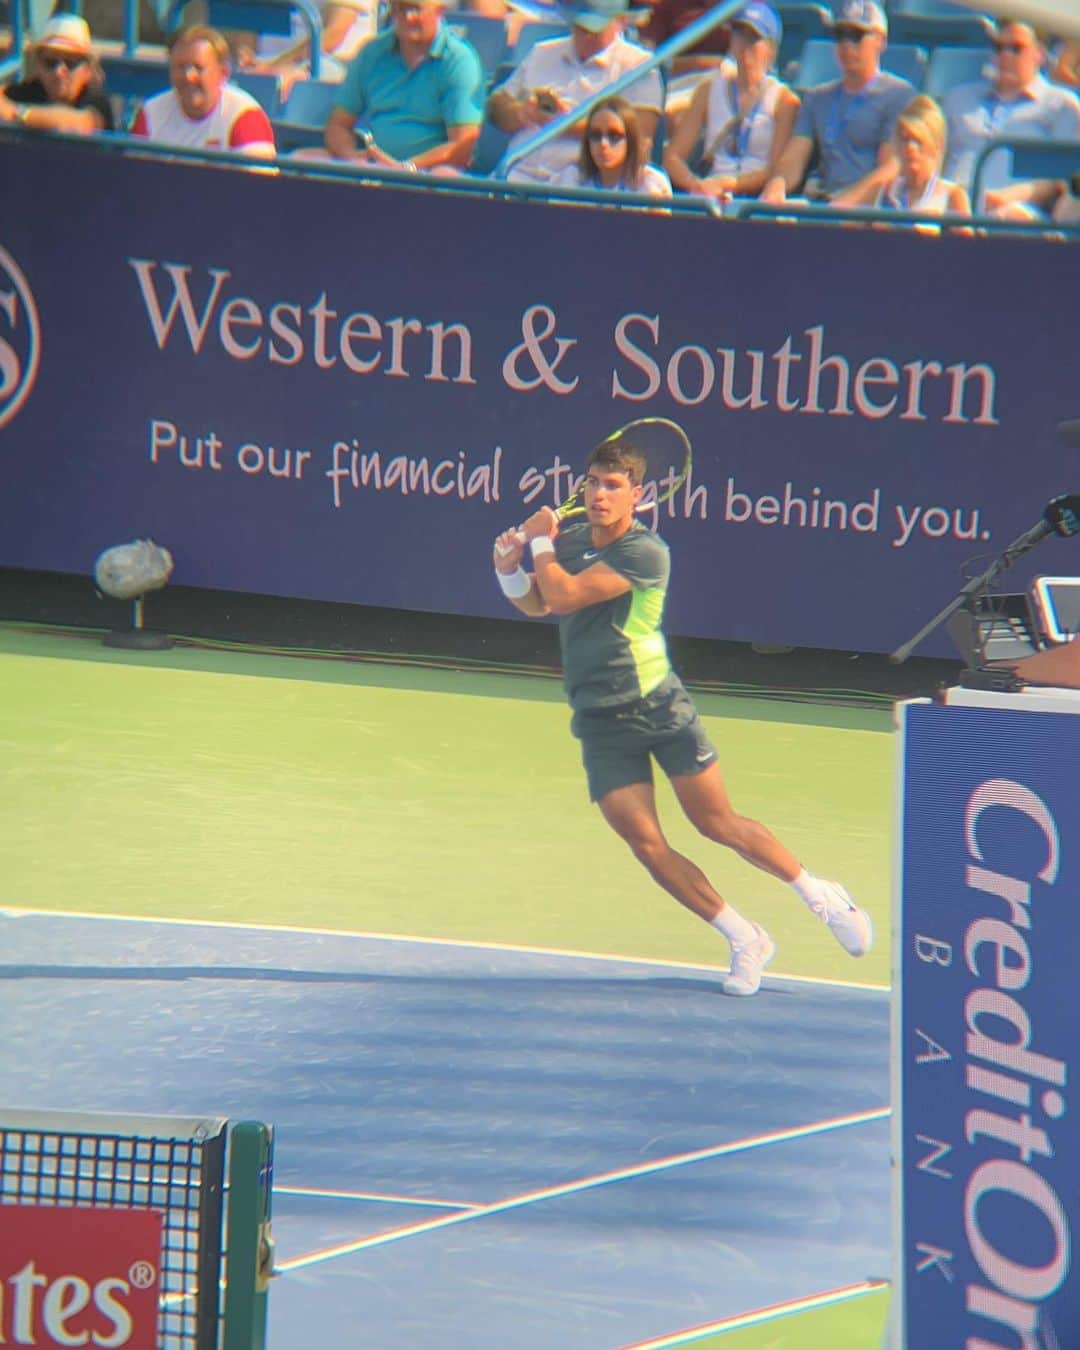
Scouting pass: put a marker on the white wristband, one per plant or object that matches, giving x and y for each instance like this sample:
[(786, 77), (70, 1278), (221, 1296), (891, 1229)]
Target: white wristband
[(514, 584), (540, 545)]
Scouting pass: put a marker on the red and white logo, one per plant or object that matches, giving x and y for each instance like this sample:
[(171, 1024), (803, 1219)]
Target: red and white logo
[(20, 338), (79, 1277)]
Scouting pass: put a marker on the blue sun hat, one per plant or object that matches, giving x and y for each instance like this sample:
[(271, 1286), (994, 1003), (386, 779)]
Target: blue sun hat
[(763, 19)]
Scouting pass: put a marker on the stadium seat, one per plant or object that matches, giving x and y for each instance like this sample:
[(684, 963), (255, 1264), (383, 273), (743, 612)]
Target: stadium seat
[(908, 60), (309, 103), (939, 30), (530, 34), (250, 16), (264, 89), (129, 81), (950, 66), (489, 149), (817, 63), (801, 22), (487, 35), (129, 78)]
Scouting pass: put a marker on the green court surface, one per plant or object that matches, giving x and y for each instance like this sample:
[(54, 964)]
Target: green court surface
[(267, 789)]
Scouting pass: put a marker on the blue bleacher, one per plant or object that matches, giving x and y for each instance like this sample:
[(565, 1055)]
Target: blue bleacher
[(963, 29), (309, 103), (950, 66), (301, 122), (536, 30), (250, 16), (801, 22), (128, 77), (487, 35), (264, 89), (129, 81), (817, 63), (490, 148)]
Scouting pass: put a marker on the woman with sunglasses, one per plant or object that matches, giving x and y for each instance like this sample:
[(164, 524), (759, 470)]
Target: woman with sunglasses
[(742, 122), (63, 87), (614, 154)]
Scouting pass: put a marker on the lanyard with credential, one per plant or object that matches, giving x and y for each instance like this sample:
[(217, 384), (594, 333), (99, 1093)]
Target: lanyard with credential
[(739, 137)]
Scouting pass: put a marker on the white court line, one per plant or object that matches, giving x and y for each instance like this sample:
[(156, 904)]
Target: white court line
[(16, 912), (583, 1184), (319, 1194), (752, 1319)]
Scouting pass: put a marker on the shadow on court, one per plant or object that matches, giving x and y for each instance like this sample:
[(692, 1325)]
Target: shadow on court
[(483, 1147)]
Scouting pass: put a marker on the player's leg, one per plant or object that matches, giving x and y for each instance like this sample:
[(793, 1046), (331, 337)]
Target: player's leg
[(704, 799), (630, 810), (631, 813), (703, 796), (689, 758)]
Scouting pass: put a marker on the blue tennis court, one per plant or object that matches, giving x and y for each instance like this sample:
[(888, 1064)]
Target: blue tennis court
[(480, 1145)]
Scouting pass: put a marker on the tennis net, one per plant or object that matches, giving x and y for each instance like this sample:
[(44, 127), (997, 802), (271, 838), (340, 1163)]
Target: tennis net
[(101, 1168)]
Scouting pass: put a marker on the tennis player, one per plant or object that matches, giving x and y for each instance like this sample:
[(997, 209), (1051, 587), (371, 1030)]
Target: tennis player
[(605, 579)]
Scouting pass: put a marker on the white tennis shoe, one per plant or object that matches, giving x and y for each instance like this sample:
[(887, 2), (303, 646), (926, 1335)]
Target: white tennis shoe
[(850, 925), (747, 963)]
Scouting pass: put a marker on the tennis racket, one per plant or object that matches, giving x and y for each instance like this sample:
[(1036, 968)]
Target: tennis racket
[(667, 452)]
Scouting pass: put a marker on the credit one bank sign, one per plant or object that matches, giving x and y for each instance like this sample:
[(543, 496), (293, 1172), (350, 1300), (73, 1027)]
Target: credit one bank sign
[(988, 1026)]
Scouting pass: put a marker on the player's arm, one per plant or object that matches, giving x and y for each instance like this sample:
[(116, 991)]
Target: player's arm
[(516, 584), (562, 592)]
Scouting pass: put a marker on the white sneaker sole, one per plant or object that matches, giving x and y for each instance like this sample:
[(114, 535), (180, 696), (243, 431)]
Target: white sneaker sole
[(735, 986), (851, 927)]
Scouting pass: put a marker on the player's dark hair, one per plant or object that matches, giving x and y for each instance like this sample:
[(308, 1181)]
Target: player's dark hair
[(619, 457)]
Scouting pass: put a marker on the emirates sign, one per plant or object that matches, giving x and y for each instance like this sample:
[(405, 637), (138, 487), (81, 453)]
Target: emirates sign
[(79, 1277)]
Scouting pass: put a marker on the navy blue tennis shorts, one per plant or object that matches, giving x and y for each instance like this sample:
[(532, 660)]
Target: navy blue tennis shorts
[(619, 744)]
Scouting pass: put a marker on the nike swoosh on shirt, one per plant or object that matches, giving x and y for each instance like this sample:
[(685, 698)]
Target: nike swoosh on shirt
[(591, 553)]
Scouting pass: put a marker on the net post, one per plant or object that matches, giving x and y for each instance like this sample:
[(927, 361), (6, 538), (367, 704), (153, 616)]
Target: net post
[(249, 1247)]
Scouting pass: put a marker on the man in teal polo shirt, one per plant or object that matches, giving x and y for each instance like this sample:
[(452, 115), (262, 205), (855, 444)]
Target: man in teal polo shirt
[(417, 88)]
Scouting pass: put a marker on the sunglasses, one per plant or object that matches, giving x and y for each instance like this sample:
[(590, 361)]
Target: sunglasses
[(853, 35), (612, 137), (1013, 48), (51, 61)]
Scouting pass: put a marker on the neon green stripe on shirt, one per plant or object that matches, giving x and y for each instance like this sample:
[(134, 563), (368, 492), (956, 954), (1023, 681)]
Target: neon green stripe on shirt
[(648, 650)]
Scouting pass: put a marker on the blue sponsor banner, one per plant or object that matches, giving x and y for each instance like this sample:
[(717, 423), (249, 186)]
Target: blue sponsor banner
[(307, 388), (989, 1028)]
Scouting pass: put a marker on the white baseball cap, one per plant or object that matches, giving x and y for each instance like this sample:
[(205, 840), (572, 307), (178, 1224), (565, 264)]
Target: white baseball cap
[(65, 33)]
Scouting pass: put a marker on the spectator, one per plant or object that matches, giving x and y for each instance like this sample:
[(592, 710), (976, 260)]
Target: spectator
[(849, 122), (418, 88), (614, 154), (920, 151), (743, 121), (203, 110), (347, 25), (63, 88), (686, 71), (560, 74), (1016, 100)]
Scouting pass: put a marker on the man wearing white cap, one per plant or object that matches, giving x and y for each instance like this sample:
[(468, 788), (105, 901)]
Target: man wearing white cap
[(562, 73), (62, 90), (849, 121)]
